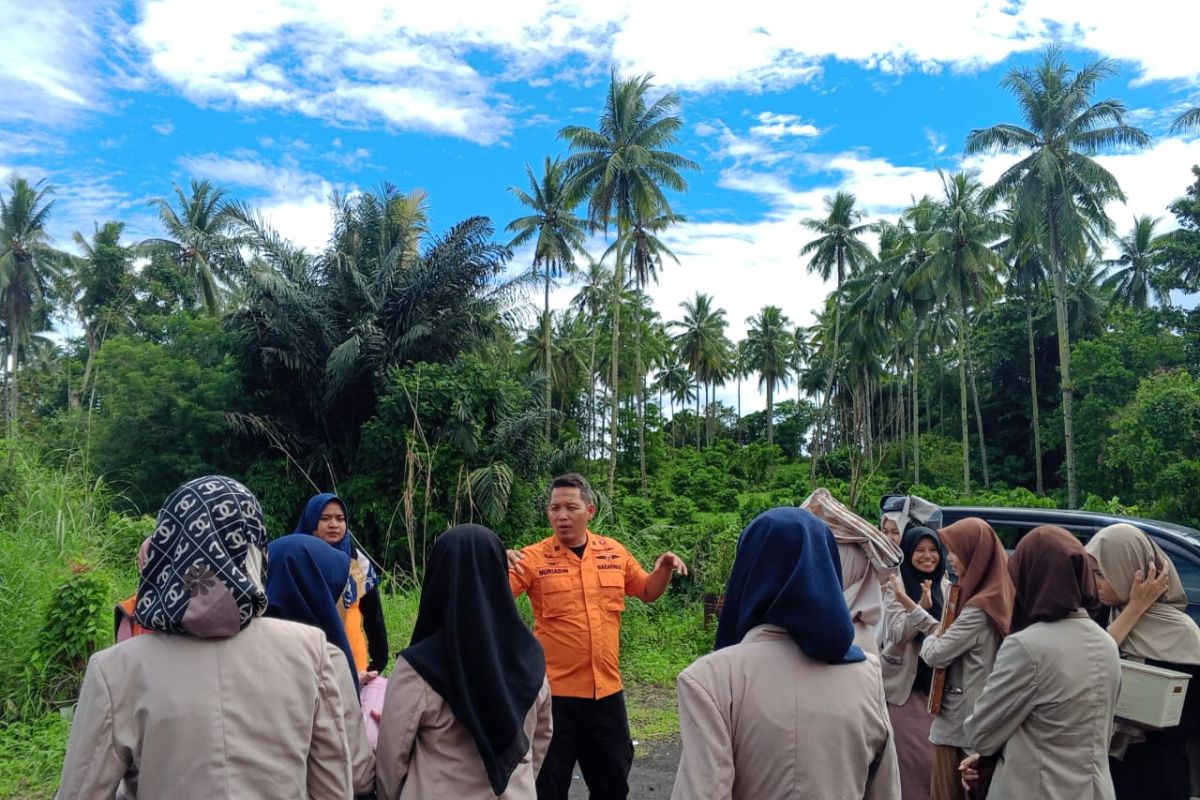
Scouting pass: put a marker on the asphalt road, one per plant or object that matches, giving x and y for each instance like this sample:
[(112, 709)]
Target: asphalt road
[(653, 773)]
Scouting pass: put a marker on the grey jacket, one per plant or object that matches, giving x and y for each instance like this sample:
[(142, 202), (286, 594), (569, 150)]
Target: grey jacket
[(967, 649), (898, 650), (1049, 704)]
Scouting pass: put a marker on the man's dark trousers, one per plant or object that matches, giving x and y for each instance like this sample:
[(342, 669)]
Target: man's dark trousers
[(596, 734)]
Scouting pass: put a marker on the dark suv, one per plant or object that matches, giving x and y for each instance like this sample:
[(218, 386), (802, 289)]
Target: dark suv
[(1180, 543)]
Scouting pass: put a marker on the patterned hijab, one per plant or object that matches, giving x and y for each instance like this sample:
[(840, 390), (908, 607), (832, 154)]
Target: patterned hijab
[(204, 569), (363, 577), (1164, 632), (985, 582)]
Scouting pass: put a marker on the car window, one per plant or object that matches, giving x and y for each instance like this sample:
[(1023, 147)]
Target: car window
[(1011, 532), (1187, 567)]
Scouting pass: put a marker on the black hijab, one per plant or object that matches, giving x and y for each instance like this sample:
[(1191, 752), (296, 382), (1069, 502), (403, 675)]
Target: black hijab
[(473, 649), (913, 577), (305, 580)]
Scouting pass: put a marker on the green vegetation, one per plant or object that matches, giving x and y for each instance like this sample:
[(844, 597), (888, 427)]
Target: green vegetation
[(985, 352)]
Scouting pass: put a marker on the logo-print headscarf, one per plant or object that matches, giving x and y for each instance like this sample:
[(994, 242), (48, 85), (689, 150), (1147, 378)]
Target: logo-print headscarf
[(204, 570), (363, 577)]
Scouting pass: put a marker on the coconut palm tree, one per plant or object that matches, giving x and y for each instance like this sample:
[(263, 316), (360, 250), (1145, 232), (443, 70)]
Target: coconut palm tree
[(1187, 121), (98, 287), (837, 250), (200, 238), (701, 344), (621, 169), (769, 345), (645, 251), (1056, 182), (1023, 252), (1140, 275), (557, 235), (964, 271), (28, 266), (590, 301)]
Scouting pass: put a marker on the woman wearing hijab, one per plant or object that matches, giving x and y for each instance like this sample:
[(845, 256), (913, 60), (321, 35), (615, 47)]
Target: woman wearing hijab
[(467, 709), (326, 517), (1141, 586), (1047, 708), (916, 595), (221, 703), (867, 559), (967, 649), (305, 581), (788, 705)]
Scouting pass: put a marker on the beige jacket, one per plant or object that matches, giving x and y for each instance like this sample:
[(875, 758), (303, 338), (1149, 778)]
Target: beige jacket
[(762, 720), (257, 715), (425, 754), (967, 649), (1049, 705), (362, 757), (898, 650)]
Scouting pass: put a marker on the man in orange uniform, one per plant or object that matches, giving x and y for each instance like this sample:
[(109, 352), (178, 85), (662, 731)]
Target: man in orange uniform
[(577, 583)]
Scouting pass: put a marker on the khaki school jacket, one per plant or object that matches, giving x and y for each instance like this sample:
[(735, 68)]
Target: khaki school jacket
[(424, 753), (259, 714), (762, 720), (1049, 705)]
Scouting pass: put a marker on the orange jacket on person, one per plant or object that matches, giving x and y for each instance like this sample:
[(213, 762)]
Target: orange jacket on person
[(125, 625), (577, 604)]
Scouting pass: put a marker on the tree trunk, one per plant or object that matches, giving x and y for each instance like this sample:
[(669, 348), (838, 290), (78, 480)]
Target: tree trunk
[(1064, 368), (770, 411), (962, 399), (916, 408), (1033, 397), (697, 413), (591, 433), (739, 413), (641, 396), (546, 348), (978, 417), (618, 285), (837, 334)]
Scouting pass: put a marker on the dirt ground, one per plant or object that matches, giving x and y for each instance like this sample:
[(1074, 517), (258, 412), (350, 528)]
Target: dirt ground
[(653, 774)]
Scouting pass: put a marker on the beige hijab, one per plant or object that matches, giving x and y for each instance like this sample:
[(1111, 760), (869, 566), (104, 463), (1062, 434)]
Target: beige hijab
[(868, 557), (863, 593), (1164, 632)]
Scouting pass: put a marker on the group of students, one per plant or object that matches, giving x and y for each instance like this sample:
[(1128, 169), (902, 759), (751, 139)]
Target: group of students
[(1032, 663), (816, 688)]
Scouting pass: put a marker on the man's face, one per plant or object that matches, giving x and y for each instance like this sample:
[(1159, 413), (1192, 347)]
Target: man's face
[(568, 512)]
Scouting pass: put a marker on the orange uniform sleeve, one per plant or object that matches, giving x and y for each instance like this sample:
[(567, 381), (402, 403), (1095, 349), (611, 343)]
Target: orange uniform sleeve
[(521, 583), (635, 576)]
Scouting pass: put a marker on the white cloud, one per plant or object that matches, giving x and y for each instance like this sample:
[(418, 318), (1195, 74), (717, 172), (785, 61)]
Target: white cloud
[(51, 71), (164, 128), (775, 126), (295, 202), (936, 142), (363, 63)]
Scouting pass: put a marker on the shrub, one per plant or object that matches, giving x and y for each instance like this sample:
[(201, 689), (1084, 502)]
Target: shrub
[(73, 628)]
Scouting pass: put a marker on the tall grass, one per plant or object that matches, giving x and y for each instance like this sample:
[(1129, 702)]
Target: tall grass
[(50, 519)]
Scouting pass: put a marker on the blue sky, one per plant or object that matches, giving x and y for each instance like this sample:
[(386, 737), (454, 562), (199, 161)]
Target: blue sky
[(283, 101)]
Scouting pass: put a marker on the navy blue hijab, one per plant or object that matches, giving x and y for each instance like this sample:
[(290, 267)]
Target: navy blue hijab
[(787, 573), (308, 524), (305, 579)]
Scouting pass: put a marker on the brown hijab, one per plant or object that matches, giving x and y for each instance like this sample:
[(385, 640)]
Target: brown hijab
[(984, 577), (1052, 575)]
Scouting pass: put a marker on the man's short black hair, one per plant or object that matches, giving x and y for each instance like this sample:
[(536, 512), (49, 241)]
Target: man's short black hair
[(573, 480)]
